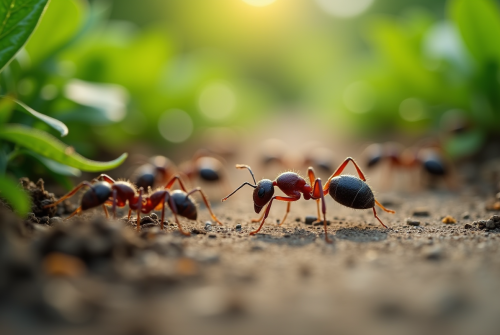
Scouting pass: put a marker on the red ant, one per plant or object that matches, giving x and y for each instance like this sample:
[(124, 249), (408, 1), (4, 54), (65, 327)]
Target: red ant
[(106, 191), (426, 155), (347, 190), (160, 169)]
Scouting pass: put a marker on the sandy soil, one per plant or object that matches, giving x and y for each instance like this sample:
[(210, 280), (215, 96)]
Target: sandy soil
[(431, 278)]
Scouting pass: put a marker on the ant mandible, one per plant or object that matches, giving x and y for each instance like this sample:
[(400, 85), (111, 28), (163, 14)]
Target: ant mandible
[(347, 190)]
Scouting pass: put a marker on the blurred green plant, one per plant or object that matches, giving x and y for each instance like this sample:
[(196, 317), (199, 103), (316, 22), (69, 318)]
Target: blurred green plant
[(19, 20), (424, 76)]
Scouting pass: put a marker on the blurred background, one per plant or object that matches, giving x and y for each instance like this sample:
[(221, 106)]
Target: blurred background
[(168, 77)]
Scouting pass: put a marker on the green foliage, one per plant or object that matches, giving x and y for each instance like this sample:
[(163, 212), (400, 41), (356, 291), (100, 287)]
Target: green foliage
[(14, 195), (479, 25), (34, 81), (18, 20), (48, 146), (56, 124)]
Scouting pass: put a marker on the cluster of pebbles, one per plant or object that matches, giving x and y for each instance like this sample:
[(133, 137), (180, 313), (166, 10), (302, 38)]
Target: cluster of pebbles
[(492, 223)]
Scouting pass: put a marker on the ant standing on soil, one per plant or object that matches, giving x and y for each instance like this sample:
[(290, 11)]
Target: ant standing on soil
[(347, 190), (426, 155), (160, 169), (104, 190)]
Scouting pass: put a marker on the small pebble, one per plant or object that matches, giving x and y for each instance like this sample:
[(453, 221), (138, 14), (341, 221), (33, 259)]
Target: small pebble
[(466, 215), (238, 227), (153, 216), (449, 219), (297, 219), (208, 225), (420, 212), (44, 220), (495, 218), (480, 223), (53, 220), (490, 224), (412, 222), (467, 226), (434, 253), (320, 223), (310, 219), (212, 235)]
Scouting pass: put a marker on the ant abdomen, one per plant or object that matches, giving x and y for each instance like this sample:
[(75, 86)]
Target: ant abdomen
[(351, 192), (96, 195), (185, 205)]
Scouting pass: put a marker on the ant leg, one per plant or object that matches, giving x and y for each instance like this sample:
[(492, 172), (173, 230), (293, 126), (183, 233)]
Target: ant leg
[(106, 178), (259, 218), (163, 210), (172, 181), (70, 194), (77, 211), (174, 211), (339, 171), (105, 211), (286, 214), (114, 203), (383, 208), (375, 214), (317, 191), (312, 178), (129, 213), (139, 207), (269, 208), (206, 203)]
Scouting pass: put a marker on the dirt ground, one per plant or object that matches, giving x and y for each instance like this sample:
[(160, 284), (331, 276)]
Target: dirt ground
[(432, 278)]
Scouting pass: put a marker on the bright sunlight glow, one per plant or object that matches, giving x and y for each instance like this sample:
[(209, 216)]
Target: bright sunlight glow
[(259, 3), (344, 8)]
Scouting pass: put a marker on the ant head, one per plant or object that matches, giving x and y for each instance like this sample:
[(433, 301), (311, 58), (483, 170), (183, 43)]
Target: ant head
[(96, 195), (262, 194)]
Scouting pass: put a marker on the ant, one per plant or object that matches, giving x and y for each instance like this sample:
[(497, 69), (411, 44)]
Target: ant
[(106, 191), (427, 155), (347, 190), (159, 169)]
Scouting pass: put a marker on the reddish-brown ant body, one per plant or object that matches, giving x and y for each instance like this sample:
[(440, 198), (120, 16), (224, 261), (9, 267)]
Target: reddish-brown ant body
[(347, 190), (160, 169), (425, 155), (106, 191)]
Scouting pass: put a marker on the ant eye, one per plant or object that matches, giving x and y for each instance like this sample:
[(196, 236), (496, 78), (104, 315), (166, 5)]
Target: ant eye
[(261, 193)]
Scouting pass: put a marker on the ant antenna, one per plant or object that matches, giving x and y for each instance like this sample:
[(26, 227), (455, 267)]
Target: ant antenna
[(243, 166), (246, 183)]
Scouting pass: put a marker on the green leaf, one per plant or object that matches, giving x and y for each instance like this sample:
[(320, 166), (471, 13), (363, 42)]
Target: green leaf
[(6, 107), (18, 20), (14, 195), (479, 24), (60, 23), (465, 145), (48, 146), (53, 166), (56, 124)]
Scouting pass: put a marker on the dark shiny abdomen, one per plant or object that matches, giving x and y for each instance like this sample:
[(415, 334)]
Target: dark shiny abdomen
[(352, 192), (185, 205), (209, 174), (434, 166)]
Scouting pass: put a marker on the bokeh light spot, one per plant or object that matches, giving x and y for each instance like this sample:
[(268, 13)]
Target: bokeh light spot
[(412, 109), (217, 101), (359, 97), (259, 3), (344, 8), (175, 125)]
